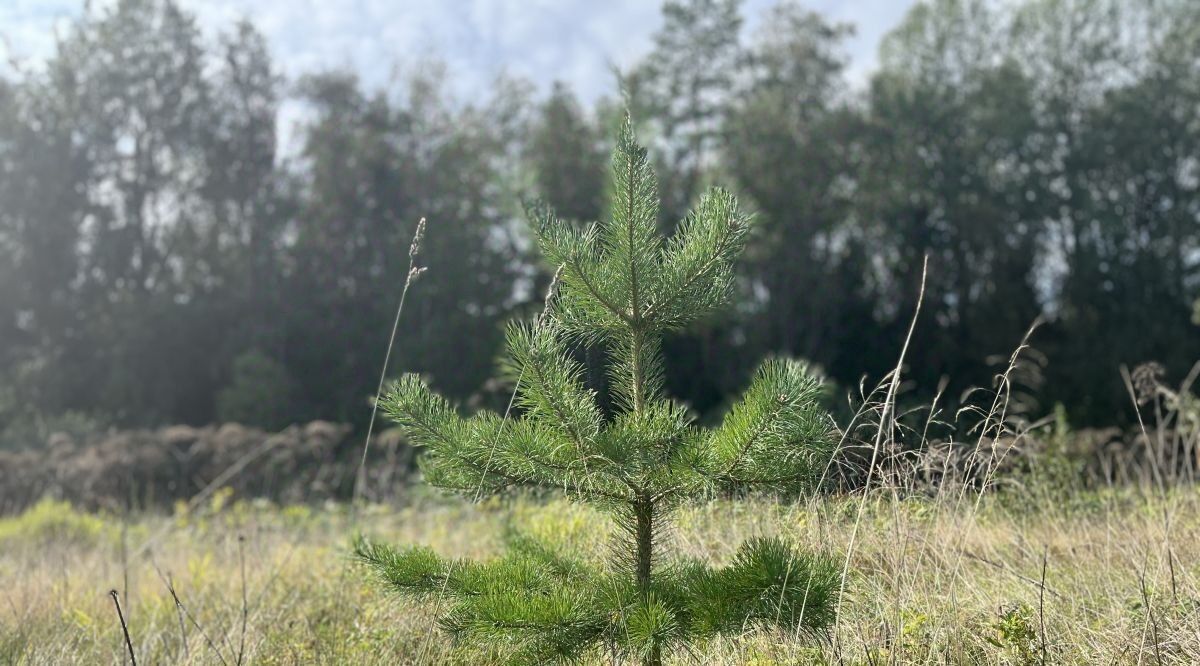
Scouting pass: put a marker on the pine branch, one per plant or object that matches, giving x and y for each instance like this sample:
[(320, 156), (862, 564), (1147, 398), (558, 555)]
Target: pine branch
[(553, 389), (529, 601), (697, 266), (418, 572), (577, 253), (630, 238), (486, 451), (769, 583), (777, 435), (580, 273)]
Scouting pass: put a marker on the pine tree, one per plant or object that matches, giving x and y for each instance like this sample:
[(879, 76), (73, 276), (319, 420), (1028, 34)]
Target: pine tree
[(624, 286)]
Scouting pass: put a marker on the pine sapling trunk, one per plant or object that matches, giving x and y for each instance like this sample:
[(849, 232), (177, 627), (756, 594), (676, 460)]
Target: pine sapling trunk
[(644, 511), (643, 506)]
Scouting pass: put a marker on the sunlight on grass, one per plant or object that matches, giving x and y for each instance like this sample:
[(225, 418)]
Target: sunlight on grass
[(1121, 569)]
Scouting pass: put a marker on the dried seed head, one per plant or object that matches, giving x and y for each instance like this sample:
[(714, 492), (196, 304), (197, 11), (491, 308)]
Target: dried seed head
[(553, 288), (415, 248), (550, 292), (1147, 378)]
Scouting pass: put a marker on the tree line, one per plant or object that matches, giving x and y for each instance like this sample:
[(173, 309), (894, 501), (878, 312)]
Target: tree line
[(163, 260)]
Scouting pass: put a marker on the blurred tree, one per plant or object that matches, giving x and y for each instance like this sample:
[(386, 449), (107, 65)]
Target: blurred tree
[(42, 206), (1120, 112), (683, 88), (142, 105), (140, 162), (792, 140), (373, 168), (946, 172), (566, 155), (244, 186), (259, 394), (1043, 153)]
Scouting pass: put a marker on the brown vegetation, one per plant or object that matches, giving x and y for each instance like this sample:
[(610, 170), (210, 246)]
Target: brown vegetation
[(149, 468)]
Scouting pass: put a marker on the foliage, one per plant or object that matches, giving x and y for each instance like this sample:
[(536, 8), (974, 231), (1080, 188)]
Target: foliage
[(1015, 632), (564, 153), (622, 286), (54, 522), (791, 143), (685, 86), (24, 426), (260, 393), (1041, 153)]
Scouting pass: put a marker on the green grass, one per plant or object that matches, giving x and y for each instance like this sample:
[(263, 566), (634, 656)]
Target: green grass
[(934, 580)]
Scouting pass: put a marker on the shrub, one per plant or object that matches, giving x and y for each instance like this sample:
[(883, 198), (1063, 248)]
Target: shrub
[(24, 426), (53, 522), (260, 393), (622, 286), (146, 468)]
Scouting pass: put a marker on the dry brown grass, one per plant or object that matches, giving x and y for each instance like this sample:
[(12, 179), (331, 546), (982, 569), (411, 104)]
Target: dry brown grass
[(934, 580)]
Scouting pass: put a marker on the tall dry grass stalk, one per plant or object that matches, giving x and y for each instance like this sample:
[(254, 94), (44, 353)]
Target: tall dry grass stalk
[(886, 423), (414, 272)]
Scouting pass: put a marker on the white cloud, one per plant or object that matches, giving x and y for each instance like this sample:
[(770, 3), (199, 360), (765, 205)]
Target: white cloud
[(28, 27), (543, 40)]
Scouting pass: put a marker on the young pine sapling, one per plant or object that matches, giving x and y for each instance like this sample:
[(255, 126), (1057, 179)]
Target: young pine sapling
[(622, 286)]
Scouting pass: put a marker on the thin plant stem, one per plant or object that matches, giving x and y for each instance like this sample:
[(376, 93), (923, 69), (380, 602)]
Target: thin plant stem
[(124, 626), (888, 405), (414, 272)]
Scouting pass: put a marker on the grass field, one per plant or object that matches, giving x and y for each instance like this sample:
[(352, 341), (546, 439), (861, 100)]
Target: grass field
[(1095, 579)]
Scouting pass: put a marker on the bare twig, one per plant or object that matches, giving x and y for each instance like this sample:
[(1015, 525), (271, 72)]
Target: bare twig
[(1170, 553), (124, 627), (1042, 605), (125, 555), (242, 564), (179, 615), (1154, 467)]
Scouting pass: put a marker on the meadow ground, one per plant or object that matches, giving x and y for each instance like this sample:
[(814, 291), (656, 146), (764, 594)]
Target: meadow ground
[(1017, 578)]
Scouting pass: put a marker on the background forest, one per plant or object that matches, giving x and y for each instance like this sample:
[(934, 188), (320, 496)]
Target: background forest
[(201, 260), (165, 258)]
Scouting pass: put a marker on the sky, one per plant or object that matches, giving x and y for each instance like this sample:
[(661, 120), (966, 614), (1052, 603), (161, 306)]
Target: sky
[(575, 41)]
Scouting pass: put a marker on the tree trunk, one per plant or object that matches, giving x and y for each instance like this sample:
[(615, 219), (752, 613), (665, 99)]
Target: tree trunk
[(644, 510)]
